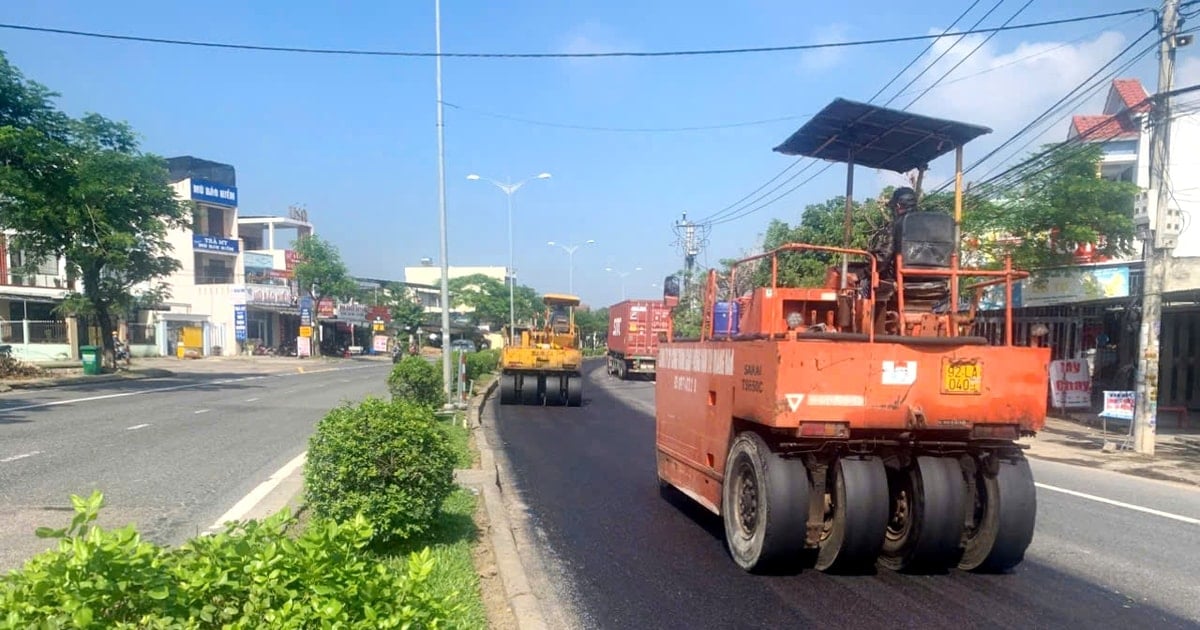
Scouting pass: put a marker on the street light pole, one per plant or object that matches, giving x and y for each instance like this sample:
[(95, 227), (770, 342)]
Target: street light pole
[(446, 372), (571, 249), (622, 275), (509, 189)]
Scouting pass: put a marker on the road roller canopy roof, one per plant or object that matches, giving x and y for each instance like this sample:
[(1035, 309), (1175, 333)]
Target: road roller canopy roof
[(878, 137), (560, 299)]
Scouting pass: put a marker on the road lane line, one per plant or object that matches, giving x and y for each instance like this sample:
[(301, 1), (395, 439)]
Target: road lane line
[(1129, 506), (21, 456), (56, 403), (136, 427), (251, 399), (247, 503), (198, 411)]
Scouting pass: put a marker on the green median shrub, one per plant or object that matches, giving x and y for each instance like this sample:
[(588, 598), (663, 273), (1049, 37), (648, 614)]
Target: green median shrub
[(482, 363), (417, 380), (251, 575), (387, 460)]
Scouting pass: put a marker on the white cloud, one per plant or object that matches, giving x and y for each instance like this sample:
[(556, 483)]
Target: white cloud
[(825, 58), (1005, 89)]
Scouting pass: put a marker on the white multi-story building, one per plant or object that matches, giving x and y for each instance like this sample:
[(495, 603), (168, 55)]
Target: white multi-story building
[(29, 324), (272, 297), (207, 308)]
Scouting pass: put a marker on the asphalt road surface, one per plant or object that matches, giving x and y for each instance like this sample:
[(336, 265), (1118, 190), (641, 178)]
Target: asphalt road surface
[(1124, 554), (171, 455)]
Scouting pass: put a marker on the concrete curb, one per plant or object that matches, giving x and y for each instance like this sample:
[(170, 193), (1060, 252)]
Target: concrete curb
[(86, 380), (522, 601)]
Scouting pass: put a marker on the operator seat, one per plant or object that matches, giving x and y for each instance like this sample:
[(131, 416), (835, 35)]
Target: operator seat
[(926, 241)]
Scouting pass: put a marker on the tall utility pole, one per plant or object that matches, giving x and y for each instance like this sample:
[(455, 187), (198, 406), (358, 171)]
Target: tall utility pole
[(1162, 238), (446, 371), (689, 240)]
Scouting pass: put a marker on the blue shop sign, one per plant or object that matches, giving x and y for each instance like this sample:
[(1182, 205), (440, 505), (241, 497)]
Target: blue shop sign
[(214, 244), (239, 322), (212, 192)]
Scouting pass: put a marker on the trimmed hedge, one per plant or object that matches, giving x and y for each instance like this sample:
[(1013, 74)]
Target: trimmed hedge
[(387, 460), (416, 380)]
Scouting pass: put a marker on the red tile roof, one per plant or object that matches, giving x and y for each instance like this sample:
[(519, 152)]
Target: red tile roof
[(1132, 94), (1103, 128)]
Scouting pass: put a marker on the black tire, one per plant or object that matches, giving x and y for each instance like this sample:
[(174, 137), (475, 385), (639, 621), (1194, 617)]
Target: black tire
[(926, 516), (853, 532), (529, 389), (508, 389), (575, 391), (621, 373), (1004, 516), (764, 504)]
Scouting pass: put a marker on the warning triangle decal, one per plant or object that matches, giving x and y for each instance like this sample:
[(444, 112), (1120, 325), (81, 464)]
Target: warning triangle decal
[(794, 400)]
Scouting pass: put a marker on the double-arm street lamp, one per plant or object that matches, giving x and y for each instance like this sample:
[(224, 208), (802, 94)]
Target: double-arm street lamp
[(509, 189), (571, 249), (623, 275)]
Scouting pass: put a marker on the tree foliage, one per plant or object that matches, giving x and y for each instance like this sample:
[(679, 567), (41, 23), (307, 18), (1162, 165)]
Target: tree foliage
[(407, 312), (81, 190), (820, 224), (1042, 218), (320, 270), (592, 321), (489, 299)]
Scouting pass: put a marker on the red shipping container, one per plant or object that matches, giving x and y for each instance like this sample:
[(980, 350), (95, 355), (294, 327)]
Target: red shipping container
[(634, 327)]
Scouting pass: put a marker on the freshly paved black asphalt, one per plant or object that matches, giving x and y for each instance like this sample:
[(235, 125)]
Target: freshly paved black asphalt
[(635, 560)]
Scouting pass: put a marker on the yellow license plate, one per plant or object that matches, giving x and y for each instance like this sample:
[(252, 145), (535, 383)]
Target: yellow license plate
[(962, 376)]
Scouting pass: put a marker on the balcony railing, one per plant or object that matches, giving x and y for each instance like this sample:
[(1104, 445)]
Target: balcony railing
[(214, 278), (42, 280)]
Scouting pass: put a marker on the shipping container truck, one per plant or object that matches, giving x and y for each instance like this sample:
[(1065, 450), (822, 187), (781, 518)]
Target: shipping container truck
[(871, 418), (634, 329)]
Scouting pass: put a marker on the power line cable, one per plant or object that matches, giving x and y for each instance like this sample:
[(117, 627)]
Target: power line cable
[(944, 53), (748, 211), (485, 55), (1050, 110), (737, 206), (969, 55), (764, 121)]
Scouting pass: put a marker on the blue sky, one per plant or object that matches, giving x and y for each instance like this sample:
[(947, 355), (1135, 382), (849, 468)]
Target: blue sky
[(354, 139)]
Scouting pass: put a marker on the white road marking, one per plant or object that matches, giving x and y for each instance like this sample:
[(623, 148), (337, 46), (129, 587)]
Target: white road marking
[(202, 411), (21, 456), (172, 388), (1129, 506), (136, 427), (247, 503), (251, 399)]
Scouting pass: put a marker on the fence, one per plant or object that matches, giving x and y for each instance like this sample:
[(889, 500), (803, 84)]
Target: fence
[(33, 332)]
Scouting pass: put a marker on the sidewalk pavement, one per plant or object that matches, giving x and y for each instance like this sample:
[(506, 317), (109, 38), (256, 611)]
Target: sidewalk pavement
[(161, 367), (1176, 454)]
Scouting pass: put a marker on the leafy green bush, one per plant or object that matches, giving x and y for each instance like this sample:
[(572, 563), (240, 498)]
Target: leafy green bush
[(389, 461), (482, 363), (417, 380), (250, 575)]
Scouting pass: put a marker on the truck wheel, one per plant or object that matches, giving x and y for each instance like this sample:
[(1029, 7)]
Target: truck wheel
[(556, 390), (529, 389), (1001, 525), (508, 389), (764, 504), (926, 524), (621, 369), (575, 390), (856, 515)]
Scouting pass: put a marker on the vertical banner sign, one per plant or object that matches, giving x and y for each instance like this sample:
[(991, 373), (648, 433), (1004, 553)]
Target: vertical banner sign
[(1070, 384), (239, 322), (306, 311)]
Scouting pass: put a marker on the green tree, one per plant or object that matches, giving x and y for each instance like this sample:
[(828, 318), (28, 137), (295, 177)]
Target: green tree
[(406, 312), (592, 321), (1042, 216), (320, 270), (488, 297), (81, 190), (820, 224)]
